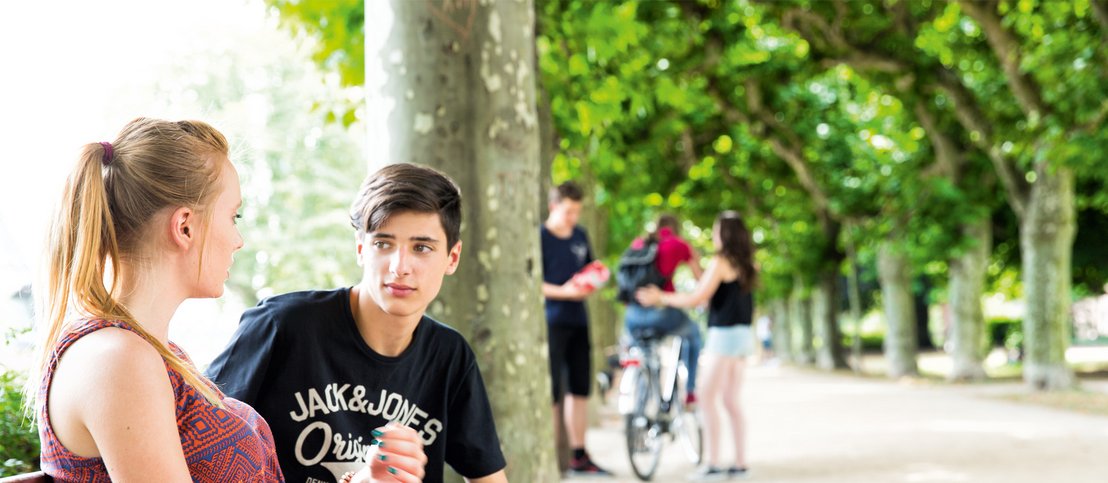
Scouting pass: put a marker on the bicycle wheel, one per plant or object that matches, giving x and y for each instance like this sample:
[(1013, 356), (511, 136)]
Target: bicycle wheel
[(686, 425), (644, 438)]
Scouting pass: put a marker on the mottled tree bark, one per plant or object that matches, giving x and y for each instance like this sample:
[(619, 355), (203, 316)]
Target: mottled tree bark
[(967, 284), (896, 294), (451, 84), (1046, 247)]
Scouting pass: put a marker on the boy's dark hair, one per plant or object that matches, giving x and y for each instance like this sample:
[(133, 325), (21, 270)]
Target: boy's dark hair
[(668, 220), (404, 187), (566, 191)]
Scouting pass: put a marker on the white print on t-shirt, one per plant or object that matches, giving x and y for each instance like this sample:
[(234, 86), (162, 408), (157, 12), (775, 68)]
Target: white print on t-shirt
[(389, 405), (581, 251)]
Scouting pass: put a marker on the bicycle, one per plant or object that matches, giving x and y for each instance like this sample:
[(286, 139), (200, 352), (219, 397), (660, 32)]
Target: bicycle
[(652, 400)]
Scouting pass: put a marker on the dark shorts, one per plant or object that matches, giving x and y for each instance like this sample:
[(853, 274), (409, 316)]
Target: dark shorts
[(570, 355)]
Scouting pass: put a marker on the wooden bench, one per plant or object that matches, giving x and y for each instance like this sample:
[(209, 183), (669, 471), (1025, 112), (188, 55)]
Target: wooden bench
[(36, 477)]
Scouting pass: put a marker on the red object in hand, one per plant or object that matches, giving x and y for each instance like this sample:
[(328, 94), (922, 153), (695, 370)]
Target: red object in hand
[(591, 276)]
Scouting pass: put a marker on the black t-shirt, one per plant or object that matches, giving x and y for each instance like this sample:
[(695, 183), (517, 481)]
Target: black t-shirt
[(300, 361), (561, 259)]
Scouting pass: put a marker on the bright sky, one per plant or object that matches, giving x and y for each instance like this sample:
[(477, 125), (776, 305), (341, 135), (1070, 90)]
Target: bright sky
[(75, 72)]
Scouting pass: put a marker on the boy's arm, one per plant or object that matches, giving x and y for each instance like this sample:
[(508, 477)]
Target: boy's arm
[(498, 477), (567, 291), (240, 369)]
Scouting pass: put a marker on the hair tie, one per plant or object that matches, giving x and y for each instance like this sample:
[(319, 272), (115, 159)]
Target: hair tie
[(107, 159)]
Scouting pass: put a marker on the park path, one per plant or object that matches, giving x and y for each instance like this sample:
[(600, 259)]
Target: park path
[(808, 426)]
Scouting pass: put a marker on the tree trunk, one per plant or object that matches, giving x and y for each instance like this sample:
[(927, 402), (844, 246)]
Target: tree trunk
[(896, 294), (967, 286), (604, 323), (800, 310), (1046, 247), (548, 147), (782, 336), (829, 345), (452, 85)]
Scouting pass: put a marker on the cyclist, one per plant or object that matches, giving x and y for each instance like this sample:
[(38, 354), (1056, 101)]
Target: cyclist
[(672, 252)]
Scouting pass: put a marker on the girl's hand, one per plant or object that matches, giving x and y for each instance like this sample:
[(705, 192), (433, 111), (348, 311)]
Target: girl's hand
[(649, 295), (396, 454)]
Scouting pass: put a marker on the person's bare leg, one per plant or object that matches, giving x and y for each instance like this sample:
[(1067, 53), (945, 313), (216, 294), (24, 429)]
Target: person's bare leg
[(732, 400), (576, 414), (711, 381)]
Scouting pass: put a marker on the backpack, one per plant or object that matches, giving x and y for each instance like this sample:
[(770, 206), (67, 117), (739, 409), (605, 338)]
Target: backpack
[(637, 269)]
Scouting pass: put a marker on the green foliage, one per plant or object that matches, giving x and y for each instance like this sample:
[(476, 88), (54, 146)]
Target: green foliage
[(685, 107), (337, 29), (19, 445)]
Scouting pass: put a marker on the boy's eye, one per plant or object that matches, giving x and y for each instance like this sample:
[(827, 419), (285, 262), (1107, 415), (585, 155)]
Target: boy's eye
[(236, 219), (424, 248), (381, 245)]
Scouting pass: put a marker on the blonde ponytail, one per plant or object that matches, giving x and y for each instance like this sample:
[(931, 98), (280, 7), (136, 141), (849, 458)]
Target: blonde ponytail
[(109, 197)]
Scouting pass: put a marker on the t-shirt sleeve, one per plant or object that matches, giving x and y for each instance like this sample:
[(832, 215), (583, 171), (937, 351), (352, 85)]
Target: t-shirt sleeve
[(472, 446), (241, 368), (686, 252)]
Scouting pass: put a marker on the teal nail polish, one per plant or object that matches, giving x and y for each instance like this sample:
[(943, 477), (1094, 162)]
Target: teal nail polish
[(376, 434), (392, 470), (373, 442), (382, 457)]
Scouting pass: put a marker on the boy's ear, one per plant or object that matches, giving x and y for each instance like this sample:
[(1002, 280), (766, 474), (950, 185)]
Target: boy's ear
[(455, 256), (358, 248)]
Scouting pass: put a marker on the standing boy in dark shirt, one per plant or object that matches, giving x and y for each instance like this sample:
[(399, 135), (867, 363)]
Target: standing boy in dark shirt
[(337, 373), (565, 250)]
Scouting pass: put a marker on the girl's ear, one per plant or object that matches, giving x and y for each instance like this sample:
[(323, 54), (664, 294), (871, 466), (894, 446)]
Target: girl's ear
[(182, 228)]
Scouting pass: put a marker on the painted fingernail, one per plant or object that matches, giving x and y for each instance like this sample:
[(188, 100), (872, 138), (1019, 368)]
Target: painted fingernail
[(376, 433), (382, 457), (392, 470)]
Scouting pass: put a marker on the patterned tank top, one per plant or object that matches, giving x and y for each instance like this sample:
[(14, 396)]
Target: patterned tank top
[(232, 444)]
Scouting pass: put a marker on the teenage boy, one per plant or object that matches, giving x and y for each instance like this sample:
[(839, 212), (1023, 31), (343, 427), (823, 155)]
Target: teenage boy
[(565, 250), (359, 379)]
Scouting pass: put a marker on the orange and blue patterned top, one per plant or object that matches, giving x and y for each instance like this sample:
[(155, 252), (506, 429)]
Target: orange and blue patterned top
[(232, 444)]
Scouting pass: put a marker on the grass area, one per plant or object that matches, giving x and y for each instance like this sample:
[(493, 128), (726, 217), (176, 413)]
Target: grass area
[(1089, 364), (1079, 400)]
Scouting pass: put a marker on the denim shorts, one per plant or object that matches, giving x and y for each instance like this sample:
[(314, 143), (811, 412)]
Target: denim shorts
[(733, 341)]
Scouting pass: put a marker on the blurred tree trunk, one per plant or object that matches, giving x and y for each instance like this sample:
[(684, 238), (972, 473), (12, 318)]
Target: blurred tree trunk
[(604, 321), (782, 336), (460, 77), (896, 295), (800, 311), (967, 284), (1044, 203), (825, 304), (1047, 231)]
